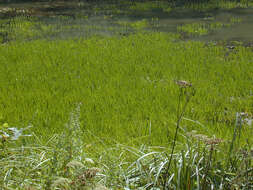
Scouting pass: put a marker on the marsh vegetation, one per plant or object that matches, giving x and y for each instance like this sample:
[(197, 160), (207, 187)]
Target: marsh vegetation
[(126, 95)]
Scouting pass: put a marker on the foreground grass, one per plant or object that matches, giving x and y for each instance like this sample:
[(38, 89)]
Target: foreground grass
[(123, 95), (66, 162)]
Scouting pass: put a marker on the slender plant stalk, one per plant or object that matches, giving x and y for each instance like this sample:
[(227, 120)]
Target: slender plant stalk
[(209, 161), (179, 118), (238, 124)]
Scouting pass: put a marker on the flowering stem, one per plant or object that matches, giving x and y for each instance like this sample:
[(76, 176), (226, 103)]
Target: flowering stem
[(179, 117)]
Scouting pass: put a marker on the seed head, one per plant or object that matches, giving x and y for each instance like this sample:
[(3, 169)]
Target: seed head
[(91, 172), (183, 83), (213, 141)]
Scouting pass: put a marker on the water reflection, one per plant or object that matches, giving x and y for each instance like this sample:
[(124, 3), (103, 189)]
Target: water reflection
[(81, 18)]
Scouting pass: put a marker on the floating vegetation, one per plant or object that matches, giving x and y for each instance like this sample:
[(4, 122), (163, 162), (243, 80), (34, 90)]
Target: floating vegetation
[(137, 25), (235, 20), (151, 5), (194, 29), (205, 28), (218, 4), (24, 28)]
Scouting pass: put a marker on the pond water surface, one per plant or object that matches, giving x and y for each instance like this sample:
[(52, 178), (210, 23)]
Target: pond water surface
[(81, 19)]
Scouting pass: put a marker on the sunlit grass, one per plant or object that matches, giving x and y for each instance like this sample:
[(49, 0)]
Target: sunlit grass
[(124, 84), (67, 161)]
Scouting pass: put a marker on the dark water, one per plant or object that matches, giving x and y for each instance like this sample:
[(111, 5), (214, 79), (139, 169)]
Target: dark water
[(107, 19), (242, 31)]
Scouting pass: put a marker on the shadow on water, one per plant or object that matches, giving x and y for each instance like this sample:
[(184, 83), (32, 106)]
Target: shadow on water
[(105, 19)]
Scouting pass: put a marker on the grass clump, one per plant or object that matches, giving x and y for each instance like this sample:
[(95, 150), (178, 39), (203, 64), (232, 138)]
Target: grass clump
[(59, 163)]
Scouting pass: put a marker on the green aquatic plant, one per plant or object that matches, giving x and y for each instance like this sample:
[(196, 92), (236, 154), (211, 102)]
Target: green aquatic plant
[(235, 20), (149, 61), (151, 5), (137, 25), (24, 28), (218, 4), (205, 28), (194, 29), (144, 6), (167, 9), (20, 28)]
